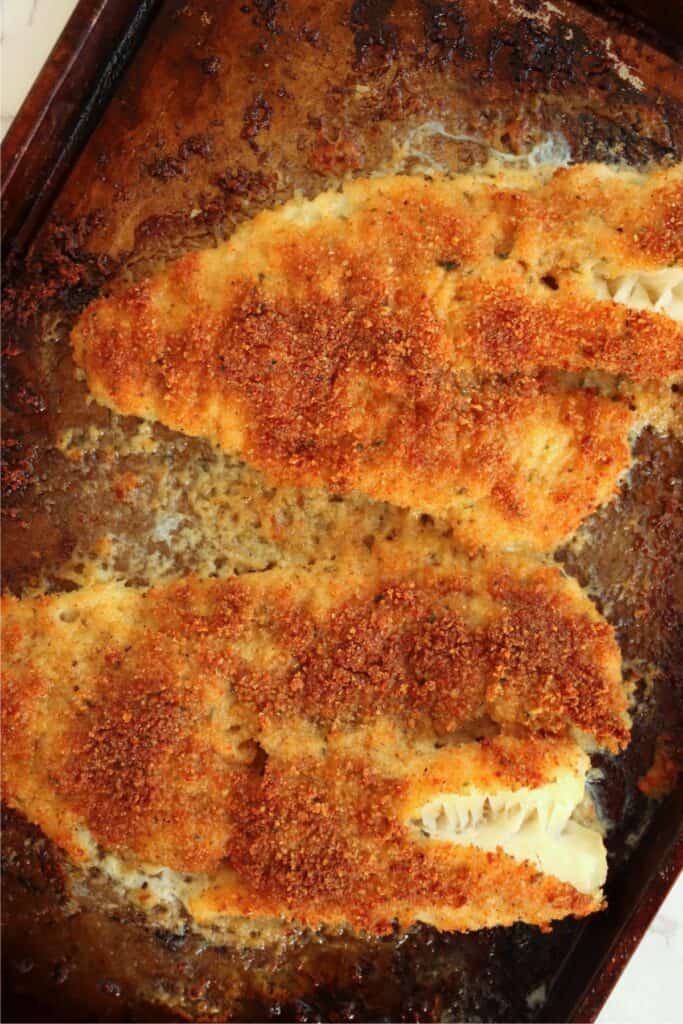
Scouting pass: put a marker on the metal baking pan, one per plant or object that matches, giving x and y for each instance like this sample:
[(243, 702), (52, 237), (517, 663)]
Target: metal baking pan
[(101, 64)]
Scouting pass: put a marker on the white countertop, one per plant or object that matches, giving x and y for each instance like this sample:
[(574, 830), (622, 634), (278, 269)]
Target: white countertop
[(650, 988)]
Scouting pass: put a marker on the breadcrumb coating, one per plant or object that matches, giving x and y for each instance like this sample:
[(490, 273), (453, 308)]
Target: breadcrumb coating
[(410, 338), (180, 724)]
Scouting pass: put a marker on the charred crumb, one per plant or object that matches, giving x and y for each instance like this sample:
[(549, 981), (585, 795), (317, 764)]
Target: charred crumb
[(165, 168), (111, 988), (61, 971), (211, 65), (18, 394), (60, 273), (195, 145), (267, 13), (257, 117), (35, 861), (310, 34), (242, 184), (18, 468)]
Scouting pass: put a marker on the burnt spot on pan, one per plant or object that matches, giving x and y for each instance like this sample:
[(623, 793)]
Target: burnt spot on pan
[(266, 13), (446, 32), (376, 40), (18, 466), (554, 54), (605, 140), (61, 273)]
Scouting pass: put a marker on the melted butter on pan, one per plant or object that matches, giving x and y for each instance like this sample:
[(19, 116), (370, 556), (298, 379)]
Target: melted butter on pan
[(551, 151)]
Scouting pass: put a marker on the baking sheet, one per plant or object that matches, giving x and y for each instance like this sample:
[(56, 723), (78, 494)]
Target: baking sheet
[(126, 205)]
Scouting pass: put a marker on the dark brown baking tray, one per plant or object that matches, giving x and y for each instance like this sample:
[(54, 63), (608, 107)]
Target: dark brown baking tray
[(55, 123)]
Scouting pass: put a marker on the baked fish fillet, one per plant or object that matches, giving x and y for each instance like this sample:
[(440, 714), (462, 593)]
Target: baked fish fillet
[(477, 835), (425, 341), (227, 730)]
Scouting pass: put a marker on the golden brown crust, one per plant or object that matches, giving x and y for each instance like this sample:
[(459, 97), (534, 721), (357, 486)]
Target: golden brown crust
[(343, 342), (319, 842), (410, 651), (150, 717)]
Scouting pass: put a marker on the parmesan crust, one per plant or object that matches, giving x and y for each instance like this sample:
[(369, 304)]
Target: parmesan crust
[(420, 340), (276, 733)]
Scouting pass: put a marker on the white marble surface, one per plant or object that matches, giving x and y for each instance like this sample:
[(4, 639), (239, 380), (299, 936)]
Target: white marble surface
[(29, 30), (650, 988)]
